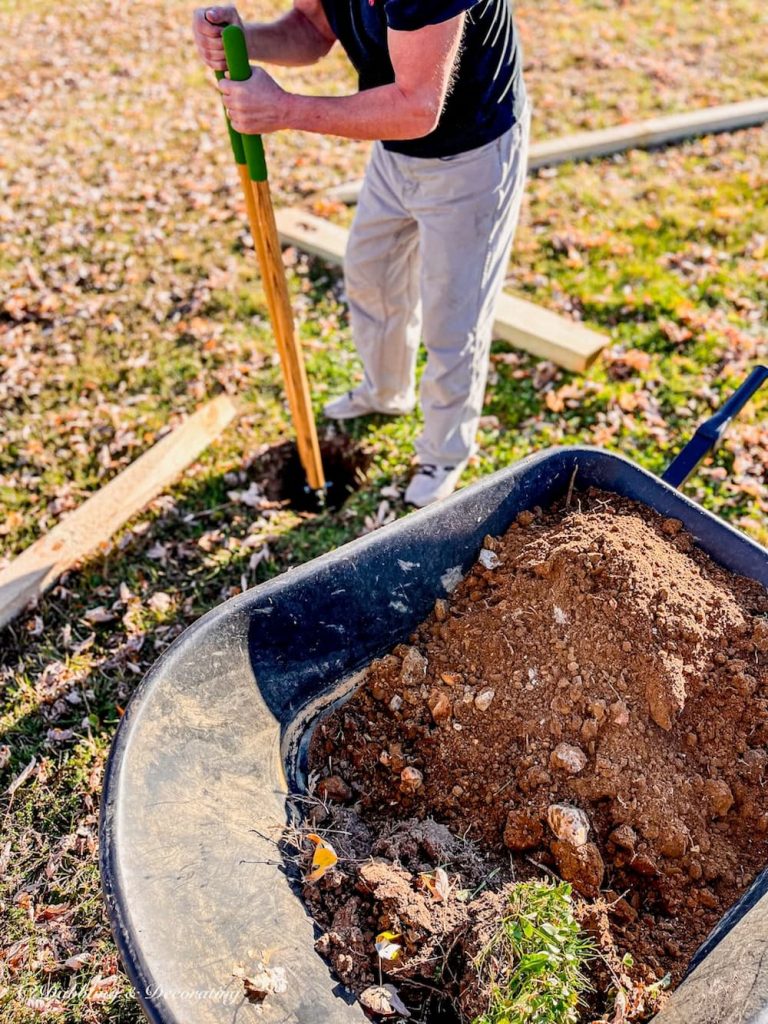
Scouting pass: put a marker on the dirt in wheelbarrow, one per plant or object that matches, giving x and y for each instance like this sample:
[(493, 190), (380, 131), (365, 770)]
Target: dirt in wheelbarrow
[(591, 705)]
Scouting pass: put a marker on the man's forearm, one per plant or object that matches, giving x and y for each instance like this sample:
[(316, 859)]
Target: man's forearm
[(381, 113), (291, 41)]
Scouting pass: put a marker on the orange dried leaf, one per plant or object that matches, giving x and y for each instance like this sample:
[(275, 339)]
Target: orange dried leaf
[(437, 884), (323, 858)]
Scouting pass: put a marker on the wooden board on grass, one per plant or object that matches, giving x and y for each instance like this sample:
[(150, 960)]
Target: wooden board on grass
[(523, 324), (656, 131), (85, 530)]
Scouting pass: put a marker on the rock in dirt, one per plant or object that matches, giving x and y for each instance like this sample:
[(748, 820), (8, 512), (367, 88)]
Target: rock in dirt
[(484, 699), (523, 830), (665, 691), (719, 797), (439, 706), (569, 824), (582, 866), (333, 787), (568, 758), (489, 559), (625, 837), (414, 667), (411, 779)]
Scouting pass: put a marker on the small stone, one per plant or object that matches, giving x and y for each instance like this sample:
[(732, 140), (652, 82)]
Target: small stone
[(334, 788), (619, 713), (379, 689), (625, 837), (414, 667), (666, 694), (525, 518), (719, 797), (396, 703), (760, 635), (410, 780), (483, 699), (489, 559), (569, 824), (523, 830), (441, 609), (599, 709), (695, 870), (567, 758), (589, 730), (582, 866), (492, 543), (439, 706), (672, 842), (671, 527), (644, 864), (457, 791)]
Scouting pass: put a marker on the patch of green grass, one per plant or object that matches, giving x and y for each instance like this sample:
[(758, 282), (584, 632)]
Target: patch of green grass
[(535, 964)]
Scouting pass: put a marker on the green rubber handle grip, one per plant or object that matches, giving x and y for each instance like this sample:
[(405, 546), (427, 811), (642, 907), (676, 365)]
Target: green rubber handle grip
[(236, 53), (234, 136)]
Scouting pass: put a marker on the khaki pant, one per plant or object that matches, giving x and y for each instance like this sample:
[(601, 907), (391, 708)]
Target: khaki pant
[(427, 256)]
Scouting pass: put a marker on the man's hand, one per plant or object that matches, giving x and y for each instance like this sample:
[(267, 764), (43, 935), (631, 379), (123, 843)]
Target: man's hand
[(207, 24), (256, 106)]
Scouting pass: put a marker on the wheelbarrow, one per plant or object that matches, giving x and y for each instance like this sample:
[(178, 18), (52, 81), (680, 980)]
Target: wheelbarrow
[(212, 742)]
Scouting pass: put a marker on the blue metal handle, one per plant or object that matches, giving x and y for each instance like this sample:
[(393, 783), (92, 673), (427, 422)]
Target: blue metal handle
[(711, 431)]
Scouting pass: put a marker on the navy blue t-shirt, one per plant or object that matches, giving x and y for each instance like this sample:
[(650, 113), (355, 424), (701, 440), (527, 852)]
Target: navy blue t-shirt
[(487, 96)]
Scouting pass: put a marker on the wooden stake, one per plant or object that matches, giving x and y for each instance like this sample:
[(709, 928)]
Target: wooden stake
[(92, 524)]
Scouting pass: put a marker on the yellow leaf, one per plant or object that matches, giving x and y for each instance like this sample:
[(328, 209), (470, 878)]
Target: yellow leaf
[(323, 858), (386, 946)]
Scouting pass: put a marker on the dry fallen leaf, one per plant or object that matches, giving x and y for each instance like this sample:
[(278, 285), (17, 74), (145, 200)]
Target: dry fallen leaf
[(22, 777), (262, 982), (323, 858), (383, 1000), (436, 884)]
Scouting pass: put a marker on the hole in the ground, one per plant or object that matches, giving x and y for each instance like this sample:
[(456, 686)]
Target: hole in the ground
[(281, 475)]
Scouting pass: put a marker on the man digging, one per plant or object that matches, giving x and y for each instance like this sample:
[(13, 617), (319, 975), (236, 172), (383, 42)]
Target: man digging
[(442, 95)]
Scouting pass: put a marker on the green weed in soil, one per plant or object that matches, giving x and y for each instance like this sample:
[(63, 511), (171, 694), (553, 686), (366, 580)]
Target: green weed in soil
[(535, 963)]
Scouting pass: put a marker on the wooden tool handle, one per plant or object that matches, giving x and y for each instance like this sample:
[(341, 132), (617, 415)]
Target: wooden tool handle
[(261, 217)]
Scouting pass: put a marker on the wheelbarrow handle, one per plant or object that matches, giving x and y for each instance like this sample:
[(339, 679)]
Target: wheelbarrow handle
[(711, 431)]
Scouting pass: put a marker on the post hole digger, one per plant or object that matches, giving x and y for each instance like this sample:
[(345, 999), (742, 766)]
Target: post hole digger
[(248, 151)]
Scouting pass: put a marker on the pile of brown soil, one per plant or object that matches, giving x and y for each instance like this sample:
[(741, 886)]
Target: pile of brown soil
[(594, 698)]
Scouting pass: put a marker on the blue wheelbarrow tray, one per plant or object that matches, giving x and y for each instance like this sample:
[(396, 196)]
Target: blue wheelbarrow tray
[(211, 746)]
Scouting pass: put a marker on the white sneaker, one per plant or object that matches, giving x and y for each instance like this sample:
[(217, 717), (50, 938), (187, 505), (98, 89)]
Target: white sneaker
[(432, 483), (358, 403)]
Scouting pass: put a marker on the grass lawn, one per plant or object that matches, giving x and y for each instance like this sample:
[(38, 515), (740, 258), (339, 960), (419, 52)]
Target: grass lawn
[(130, 296)]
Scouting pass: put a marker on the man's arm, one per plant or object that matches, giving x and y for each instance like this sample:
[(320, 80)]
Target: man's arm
[(302, 36), (409, 108)]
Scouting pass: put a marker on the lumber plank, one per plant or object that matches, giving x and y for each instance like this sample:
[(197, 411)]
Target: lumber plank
[(656, 131), (88, 527), (545, 334), (315, 235), (523, 324)]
